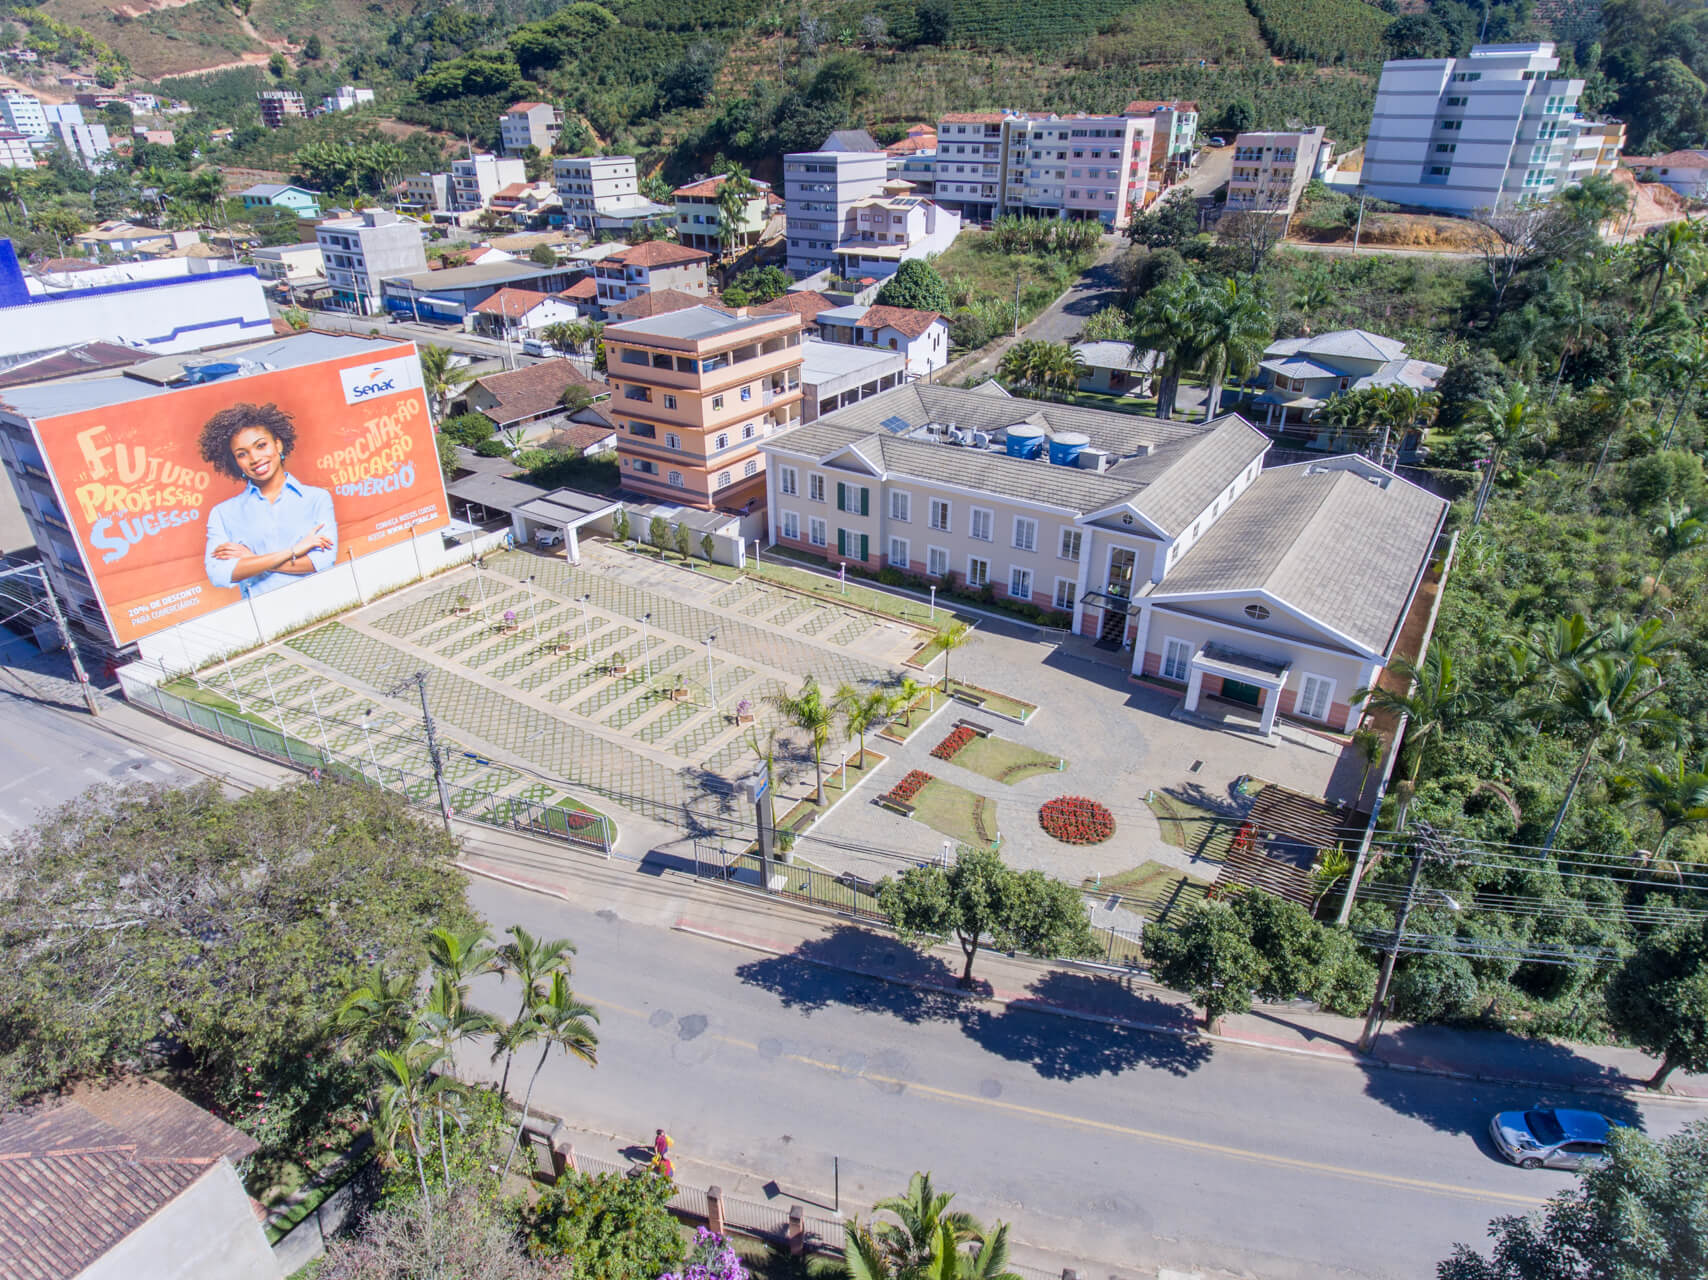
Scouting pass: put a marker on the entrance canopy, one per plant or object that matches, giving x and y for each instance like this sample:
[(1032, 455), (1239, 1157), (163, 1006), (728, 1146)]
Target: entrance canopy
[(565, 510), (1242, 668)]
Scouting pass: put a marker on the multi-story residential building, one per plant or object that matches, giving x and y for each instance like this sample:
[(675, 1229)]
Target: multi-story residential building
[(699, 219), (695, 395), (475, 179), (820, 189), (885, 231), (1270, 170), (592, 185), (15, 151), (22, 113), (1298, 376), (87, 144), (427, 193), (1176, 129), (967, 174), (1080, 167), (360, 251), (1262, 588), (652, 265), (280, 105), (289, 263), (530, 124), (1486, 131), (345, 98), (922, 337)]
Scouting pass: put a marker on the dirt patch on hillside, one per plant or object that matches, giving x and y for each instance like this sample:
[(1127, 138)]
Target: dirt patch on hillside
[(1652, 203), (1404, 231)]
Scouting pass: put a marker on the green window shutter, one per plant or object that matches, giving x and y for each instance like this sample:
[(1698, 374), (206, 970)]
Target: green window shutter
[(865, 502), (865, 551), (841, 538), (841, 496)]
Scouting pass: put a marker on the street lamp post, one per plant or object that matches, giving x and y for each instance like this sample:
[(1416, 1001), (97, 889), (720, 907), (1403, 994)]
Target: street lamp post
[(367, 737), (529, 583), (646, 655), (586, 626), (711, 675), (1378, 1006), (934, 602), (480, 590)]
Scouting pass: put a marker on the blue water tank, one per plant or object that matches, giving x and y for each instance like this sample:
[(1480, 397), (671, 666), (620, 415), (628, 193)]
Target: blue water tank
[(1025, 440), (1066, 447)]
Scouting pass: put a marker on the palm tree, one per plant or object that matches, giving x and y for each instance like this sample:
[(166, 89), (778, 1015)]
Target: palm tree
[(561, 335), (926, 1225), (989, 1261), (1401, 409), (1234, 327), (946, 641), (407, 1084), (1510, 419), (1316, 295), (1686, 361), (1434, 699), (860, 711), (1677, 533), (1614, 401), (1677, 796), (1573, 314), (12, 193), (533, 961), (441, 377), (812, 711), (1665, 250), (1163, 321), (375, 1013), (734, 194), (563, 1022), (1604, 694), (902, 698)]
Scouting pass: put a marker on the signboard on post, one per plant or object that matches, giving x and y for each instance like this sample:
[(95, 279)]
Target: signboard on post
[(185, 502)]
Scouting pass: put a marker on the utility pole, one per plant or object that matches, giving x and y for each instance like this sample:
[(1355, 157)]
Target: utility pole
[(1017, 279), (1358, 230), (69, 642), (1421, 845), (419, 680)]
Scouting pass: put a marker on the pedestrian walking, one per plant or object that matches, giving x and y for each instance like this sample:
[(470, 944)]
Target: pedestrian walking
[(661, 1143)]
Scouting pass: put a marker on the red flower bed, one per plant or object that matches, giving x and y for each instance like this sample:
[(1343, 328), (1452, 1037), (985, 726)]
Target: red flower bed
[(958, 738), (905, 790), (1076, 820), (578, 819)]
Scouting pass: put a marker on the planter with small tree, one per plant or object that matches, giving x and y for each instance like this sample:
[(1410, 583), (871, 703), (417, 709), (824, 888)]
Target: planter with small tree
[(744, 711), (679, 690), (508, 626), (461, 606)]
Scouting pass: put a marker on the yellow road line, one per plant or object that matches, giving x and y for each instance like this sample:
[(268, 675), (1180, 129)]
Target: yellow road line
[(1142, 1135)]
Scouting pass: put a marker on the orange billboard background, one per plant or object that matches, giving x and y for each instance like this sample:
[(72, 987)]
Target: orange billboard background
[(137, 492)]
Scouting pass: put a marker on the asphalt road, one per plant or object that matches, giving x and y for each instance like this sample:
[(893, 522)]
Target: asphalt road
[(1101, 1145)]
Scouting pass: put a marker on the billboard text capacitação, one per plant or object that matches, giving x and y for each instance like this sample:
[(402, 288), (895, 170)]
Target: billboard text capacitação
[(189, 501)]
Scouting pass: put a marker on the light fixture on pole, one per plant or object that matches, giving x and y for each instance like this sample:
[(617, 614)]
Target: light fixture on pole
[(711, 676), (529, 583), (368, 719), (586, 626), (646, 655)]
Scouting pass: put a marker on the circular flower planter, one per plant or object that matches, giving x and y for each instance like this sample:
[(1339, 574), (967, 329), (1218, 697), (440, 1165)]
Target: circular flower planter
[(1076, 820)]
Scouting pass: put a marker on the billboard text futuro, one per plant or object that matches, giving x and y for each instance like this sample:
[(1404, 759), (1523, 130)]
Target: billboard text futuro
[(189, 501)]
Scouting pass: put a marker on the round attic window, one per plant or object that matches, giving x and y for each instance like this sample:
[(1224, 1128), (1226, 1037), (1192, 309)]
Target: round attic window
[(1127, 519), (1256, 612)]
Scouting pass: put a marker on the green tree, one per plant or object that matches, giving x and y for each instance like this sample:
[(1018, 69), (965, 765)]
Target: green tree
[(466, 1235), (534, 962), (1669, 251), (953, 636), (1234, 326), (980, 897), (1678, 532), (543, 254), (564, 1023), (1638, 1216), (811, 711), (658, 533), (613, 1227), (1677, 795), (449, 462), (1110, 324), (376, 1012), (1435, 699), (1049, 369), (1658, 999), (408, 1088), (861, 711), (441, 376), (1418, 35), (312, 48), (1209, 956), (620, 525), (1164, 321), (922, 1213), (1170, 223), (1509, 419), (916, 285), (736, 191), (683, 537)]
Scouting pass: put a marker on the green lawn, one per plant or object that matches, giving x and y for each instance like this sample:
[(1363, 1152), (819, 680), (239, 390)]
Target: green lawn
[(1197, 830), (1000, 703), (916, 716), (837, 783), (1152, 889), (982, 277), (960, 814), (1004, 761)]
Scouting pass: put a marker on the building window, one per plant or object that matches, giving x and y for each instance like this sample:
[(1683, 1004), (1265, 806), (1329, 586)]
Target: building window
[(1020, 583), (939, 514), (1314, 699), (1069, 549), (1176, 660), (723, 479), (747, 393), (815, 532), (676, 479), (1065, 588), (937, 562), (815, 487), (717, 403), (786, 480), (792, 526), (1025, 534), (853, 498), (899, 505), (630, 355), (722, 441), (752, 467), (643, 430), (898, 552), (747, 432), (672, 440), (669, 402), (982, 525), (978, 572), (1257, 612)]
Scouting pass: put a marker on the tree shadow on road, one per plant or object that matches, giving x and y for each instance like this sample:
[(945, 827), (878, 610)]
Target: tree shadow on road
[(859, 969), (1061, 1048), (1549, 1071)]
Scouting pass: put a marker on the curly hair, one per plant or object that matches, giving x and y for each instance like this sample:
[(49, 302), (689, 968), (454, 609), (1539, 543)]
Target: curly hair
[(217, 434)]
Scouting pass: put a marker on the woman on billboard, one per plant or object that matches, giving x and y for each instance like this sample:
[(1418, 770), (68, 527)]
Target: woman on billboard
[(277, 529)]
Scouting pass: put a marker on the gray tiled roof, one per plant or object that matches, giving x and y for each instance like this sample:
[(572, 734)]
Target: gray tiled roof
[(1321, 538), (1188, 462)]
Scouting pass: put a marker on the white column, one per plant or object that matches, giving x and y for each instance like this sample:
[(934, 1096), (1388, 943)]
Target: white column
[(770, 506), (1271, 705), (1366, 678), (1194, 687), (1139, 639), (571, 544), (1087, 537)]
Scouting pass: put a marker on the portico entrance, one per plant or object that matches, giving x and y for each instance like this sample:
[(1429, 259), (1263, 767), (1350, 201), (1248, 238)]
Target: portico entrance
[(1243, 678)]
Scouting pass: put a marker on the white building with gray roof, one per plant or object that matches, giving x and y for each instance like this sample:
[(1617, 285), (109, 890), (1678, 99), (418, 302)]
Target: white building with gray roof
[(1297, 376), (1284, 590)]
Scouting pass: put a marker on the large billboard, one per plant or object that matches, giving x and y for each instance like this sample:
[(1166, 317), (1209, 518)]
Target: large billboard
[(191, 500)]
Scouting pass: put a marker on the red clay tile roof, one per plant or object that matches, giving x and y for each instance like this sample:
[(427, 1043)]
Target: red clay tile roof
[(514, 190), (70, 264), (973, 117), (912, 144), (532, 390), (802, 302), (511, 303), (583, 290), (79, 1175), (711, 186), (657, 253), (903, 320), (657, 303), (1678, 159), (523, 106), (583, 435)]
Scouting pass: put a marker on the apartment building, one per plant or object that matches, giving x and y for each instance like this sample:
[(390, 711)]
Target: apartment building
[(967, 174), (280, 105), (653, 265), (885, 231), (426, 193), (360, 251), (1176, 124), (1080, 167), (695, 394), (1265, 589), (1487, 131), (921, 337), (22, 113), (699, 218), (820, 189), (1270, 170), (475, 179), (347, 97), (530, 124), (591, 185), (15, 151)]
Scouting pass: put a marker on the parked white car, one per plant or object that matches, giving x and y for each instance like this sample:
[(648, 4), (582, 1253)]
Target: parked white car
[(548, 537)]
